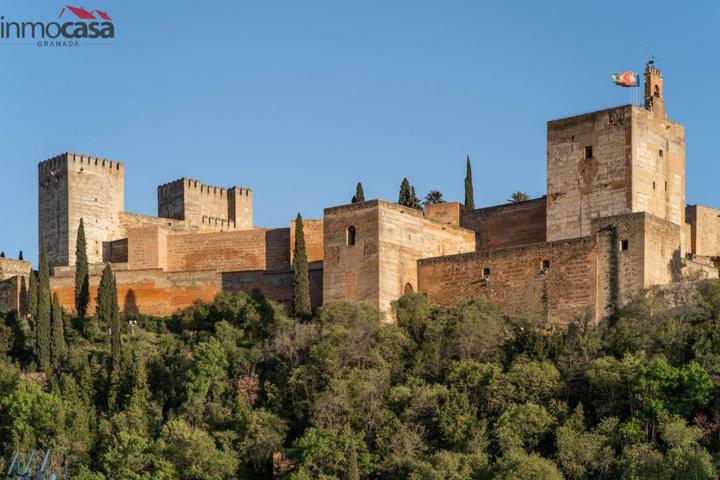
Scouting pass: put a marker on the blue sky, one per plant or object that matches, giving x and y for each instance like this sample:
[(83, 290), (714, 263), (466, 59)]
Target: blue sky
[(300, 100)]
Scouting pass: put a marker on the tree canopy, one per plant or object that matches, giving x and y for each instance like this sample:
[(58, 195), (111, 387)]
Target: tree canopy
[(238, 388)]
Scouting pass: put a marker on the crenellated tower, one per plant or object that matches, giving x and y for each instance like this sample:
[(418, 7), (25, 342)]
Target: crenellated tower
[(201, 204), (616, 161), (71, 187)]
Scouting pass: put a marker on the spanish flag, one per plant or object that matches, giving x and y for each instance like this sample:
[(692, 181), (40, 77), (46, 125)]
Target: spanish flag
[(625, 79)]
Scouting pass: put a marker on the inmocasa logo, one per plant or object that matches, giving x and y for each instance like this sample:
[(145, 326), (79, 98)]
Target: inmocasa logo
[(77, 24)]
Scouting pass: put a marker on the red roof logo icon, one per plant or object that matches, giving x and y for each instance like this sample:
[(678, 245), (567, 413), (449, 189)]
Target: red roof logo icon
[(83, 14)]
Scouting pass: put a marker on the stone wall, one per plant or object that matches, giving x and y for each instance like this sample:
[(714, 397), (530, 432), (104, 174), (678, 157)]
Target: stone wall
[(507, 225), (14, 279), (580, 189), (381, 264), (704, 230), (658, 165), (449, 213), (351, 271), (545, 282)]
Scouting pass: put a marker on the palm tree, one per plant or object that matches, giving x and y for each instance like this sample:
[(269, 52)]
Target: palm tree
[(518, 197), (433, 197)]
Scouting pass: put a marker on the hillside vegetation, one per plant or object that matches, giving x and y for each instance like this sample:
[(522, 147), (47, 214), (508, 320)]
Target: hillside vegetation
[(219, 390)]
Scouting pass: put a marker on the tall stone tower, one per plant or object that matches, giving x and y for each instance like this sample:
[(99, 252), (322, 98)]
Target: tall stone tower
[(71, 187), (615, 161)]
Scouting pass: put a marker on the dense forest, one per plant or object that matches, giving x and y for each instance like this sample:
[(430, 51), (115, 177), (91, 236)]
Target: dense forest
[(220, 390)]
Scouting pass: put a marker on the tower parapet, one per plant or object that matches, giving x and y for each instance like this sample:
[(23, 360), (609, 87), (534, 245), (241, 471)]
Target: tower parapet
[(196, 202)]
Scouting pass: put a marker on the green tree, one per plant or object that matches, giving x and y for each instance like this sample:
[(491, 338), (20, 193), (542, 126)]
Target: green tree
[(518, 197), (582, 454), (359, 194), (59, 347), (82, 273), (43, 311), (105, 298), (469, 194), (32, 301), (407, 196), (116, 328), (323, 453), (194, 454), (433, 198), (521, 466), (301, 277), (20, 256), (520, 428)]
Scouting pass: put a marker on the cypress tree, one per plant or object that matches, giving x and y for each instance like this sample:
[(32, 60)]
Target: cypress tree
[(116, 345), (32, 301), (2, 254), (20, 257), (469, 195), (301, 278), (59, 347), (359, 194), (104, 298), (404, 197), (82, 276), (43, 311), (414, 200)]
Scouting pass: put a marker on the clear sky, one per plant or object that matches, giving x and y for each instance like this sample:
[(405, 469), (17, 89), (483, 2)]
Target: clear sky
[(299, 100)]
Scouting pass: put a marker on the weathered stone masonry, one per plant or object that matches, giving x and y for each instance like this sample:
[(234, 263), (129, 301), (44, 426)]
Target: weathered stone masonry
[(613, 223)]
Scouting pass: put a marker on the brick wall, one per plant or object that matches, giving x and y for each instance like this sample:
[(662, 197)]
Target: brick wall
[(224, 251), (154, 292), (507, 225), (313, 231)]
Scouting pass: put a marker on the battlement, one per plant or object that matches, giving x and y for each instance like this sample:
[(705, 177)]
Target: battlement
[(87, 161), (196, 185), (218, 222)]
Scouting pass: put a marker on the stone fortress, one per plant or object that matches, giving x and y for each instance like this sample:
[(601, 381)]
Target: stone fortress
[(613, 223)]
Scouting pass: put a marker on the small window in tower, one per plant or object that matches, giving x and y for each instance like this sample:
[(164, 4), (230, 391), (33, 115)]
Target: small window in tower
[(588, 153), (661, 153), (666, 186), (545, 265), (408, 288), (486, 272), (350, 236), (624, 245), (657, 91), (653, 185)]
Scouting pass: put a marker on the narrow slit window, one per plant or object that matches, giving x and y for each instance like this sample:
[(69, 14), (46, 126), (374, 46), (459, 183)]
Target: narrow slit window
[(486, 272), (661, 152), (588, 152), (545, 264), (624, 245), (653, 185), (350, 236)]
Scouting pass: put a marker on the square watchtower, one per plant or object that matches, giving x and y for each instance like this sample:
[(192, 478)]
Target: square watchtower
[(616, 161)]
